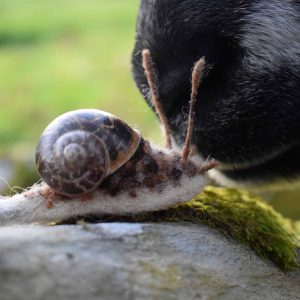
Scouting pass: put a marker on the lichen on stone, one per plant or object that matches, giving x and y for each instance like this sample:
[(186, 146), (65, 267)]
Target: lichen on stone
[(238, 215)]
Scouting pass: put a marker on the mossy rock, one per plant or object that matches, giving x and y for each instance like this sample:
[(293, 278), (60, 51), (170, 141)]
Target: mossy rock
[(239, 215), (115, 261)]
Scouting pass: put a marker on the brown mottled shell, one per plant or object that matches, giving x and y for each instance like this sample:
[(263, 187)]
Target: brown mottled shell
[(82, 147)]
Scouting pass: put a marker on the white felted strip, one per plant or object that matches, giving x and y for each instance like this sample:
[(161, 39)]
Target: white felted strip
[(31, 207)]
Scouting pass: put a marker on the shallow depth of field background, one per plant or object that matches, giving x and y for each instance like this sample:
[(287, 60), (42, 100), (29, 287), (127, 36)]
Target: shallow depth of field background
[(60, 55)]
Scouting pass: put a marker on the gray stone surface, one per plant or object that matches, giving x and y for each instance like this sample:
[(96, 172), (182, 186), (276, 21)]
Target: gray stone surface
[(134, 261)]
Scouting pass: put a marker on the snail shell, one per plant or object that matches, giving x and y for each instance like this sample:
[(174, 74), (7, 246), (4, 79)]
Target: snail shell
[(82, 147)]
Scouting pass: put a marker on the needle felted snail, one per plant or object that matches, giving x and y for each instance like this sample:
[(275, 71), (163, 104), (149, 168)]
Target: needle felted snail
[(90, 154), (79, 149)]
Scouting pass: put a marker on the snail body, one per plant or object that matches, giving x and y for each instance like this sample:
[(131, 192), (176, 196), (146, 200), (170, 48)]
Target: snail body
[(79, 149), (90, 150), (86, 150)]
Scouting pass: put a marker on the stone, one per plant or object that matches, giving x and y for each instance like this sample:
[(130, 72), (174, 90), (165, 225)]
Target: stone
[(134, 261)]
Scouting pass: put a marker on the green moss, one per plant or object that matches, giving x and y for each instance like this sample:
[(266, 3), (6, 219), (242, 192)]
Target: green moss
[(294, 226), (241, 216)]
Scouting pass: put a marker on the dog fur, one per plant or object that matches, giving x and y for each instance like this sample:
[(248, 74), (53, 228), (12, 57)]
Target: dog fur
[(248, 111)]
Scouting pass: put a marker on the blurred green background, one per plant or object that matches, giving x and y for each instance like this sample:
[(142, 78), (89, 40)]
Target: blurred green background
[(62, 55)]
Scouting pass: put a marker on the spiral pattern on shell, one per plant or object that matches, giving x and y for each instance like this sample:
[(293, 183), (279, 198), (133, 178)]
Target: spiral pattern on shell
[(80, 148)]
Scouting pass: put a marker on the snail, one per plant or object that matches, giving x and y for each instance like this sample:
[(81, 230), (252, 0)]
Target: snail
[(80, 148), (93, 155)]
